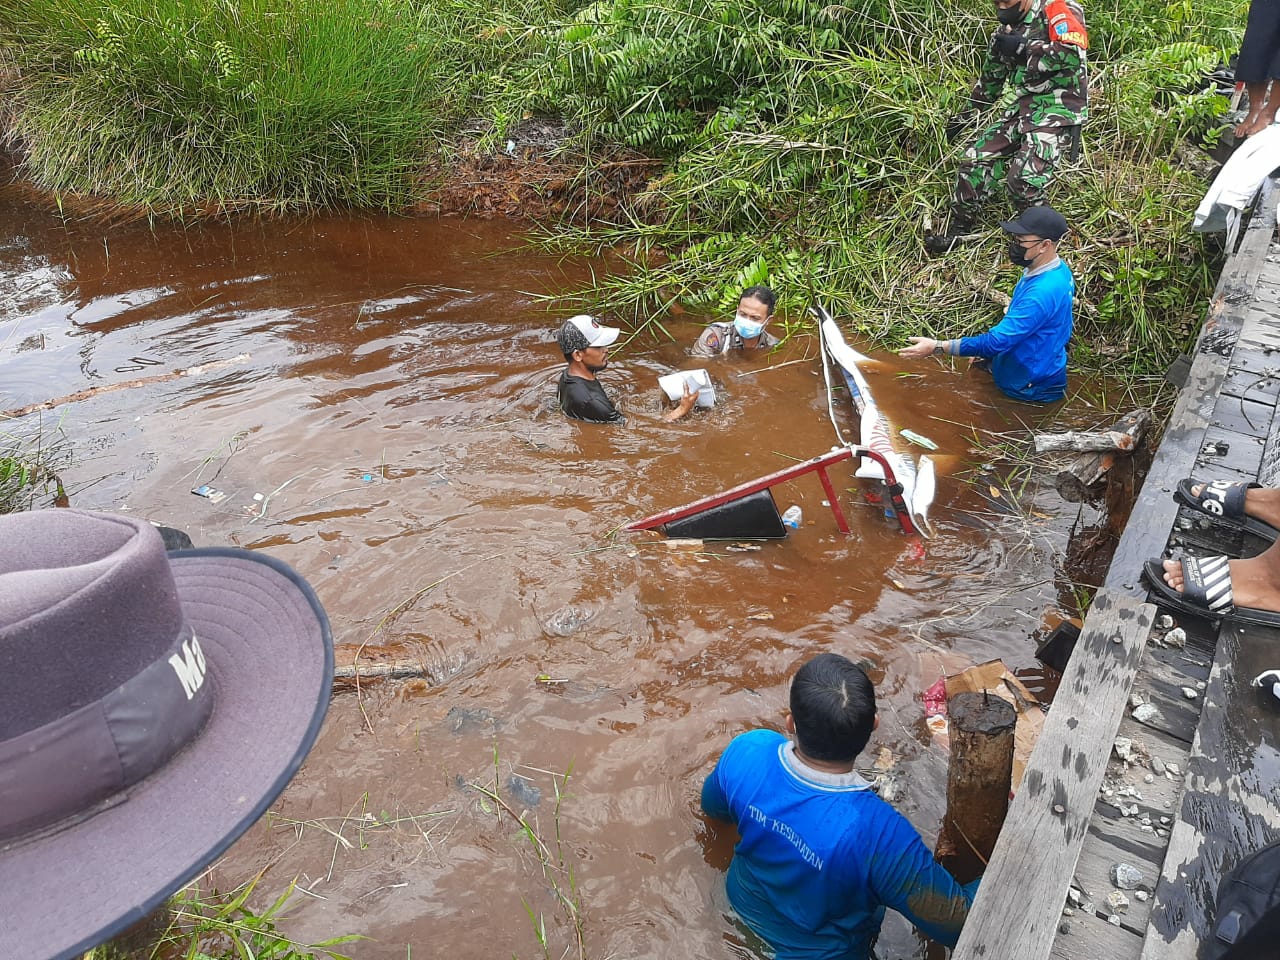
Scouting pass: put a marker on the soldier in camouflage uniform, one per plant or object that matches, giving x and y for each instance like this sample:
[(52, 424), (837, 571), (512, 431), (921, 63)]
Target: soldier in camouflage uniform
[(1041, 54)]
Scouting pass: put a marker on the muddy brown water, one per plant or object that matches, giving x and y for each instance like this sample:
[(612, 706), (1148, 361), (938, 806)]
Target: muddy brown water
[(396, 415)]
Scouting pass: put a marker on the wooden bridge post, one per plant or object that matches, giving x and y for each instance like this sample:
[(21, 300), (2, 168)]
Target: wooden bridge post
[(978, 779)]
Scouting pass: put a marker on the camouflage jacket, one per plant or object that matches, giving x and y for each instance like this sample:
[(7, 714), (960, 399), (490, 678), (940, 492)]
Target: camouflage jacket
[(1050, 79)]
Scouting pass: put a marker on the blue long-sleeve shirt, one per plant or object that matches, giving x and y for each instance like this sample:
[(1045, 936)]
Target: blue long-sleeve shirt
[(821, 856), (1028, 348)]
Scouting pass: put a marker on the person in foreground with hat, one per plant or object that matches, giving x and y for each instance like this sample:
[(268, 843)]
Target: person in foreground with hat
[(585, 344), (820, 855), (152, 707), (1027, 350)]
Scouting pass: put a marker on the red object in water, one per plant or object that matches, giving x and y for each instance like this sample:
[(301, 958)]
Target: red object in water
[(818, 464), (935, 699)]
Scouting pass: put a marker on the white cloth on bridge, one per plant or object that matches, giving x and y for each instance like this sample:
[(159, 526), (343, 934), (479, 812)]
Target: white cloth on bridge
[(1238, 183)]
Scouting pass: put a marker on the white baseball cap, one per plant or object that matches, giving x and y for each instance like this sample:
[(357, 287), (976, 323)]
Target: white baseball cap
[(584, 331)]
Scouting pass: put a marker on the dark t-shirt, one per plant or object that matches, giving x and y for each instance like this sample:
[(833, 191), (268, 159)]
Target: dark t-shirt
[(585, 399)]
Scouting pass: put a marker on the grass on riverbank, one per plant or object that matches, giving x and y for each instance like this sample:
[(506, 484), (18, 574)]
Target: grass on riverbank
[(29, 467), (806, 150), (213, 926), (181, 106), (799, 143)]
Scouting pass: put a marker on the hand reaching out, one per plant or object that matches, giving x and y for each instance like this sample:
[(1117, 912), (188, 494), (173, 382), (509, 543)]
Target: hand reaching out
[(920, 347)]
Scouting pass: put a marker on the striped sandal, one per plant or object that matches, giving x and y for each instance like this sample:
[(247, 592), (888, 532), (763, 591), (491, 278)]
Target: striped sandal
[(1206, 592)]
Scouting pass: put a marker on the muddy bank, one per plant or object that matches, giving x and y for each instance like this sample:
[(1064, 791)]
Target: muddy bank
[(536, 172)]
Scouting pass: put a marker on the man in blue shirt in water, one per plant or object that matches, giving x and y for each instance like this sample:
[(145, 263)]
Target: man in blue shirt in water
[(1027, 350), (821, 855)]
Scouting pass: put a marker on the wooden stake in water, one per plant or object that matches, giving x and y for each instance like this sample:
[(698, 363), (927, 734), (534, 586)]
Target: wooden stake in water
[(978, 779)]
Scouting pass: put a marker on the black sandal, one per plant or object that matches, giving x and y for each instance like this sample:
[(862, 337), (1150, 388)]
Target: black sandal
[(1206, 592), (1224, 501)]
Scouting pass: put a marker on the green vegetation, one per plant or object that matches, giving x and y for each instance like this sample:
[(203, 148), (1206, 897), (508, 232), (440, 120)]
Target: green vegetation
[(801, 141), (557, 871), (819, 161), (183, 106), (213, 926), (29, 465)]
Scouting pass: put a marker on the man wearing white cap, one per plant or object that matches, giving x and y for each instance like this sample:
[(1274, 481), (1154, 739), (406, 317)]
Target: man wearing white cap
[(585, 345)]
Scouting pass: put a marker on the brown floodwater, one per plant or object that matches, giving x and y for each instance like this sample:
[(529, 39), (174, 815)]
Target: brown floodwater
[(392, 434)]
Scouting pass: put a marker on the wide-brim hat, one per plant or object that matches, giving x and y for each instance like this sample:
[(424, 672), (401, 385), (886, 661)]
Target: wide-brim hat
[(253, 640)]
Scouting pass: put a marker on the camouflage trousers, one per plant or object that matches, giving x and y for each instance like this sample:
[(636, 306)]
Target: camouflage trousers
[(1026, 162)]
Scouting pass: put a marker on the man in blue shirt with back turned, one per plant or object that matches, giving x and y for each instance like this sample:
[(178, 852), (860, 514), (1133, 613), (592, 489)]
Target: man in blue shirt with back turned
[(1027, 350), (820, 855)]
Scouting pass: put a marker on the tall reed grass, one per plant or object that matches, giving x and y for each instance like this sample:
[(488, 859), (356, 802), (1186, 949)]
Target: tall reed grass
[(181, 105), (806, 148), (30, 463), (802, 140)]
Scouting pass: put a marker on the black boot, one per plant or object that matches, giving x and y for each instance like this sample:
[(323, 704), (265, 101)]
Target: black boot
[(960, 230)]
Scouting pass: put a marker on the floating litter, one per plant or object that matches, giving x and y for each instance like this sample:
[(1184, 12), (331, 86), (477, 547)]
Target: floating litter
[(918, 439), (212, 494)]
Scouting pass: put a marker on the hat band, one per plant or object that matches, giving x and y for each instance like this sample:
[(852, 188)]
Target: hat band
[(71, 765)]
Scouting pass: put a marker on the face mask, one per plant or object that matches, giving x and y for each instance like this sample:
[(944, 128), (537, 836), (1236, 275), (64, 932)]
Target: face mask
[(1009, 16), (747, 328), (1018, 253)]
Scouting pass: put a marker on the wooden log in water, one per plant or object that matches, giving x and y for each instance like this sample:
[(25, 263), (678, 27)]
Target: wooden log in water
[(195, 371), (380, 670), (981, 728), (1084, 441), (1080, 481)]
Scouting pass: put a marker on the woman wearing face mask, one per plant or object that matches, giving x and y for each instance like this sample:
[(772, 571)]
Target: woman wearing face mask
[(747, 329), (1027, 350)]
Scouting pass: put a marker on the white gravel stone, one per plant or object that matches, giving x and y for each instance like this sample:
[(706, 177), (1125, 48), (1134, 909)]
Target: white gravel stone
[(1145, 713)]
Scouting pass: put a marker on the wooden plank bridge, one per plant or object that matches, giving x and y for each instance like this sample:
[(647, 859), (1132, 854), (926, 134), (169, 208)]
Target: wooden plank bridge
[(1198, 784)]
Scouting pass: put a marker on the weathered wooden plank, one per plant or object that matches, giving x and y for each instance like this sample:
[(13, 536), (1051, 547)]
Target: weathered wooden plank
[(1240, 452), (1160, 682), (1249, 417), (1242, 382), (1267, 287), (1261, 327), (1089, 937), (1127, 839), (1050, 813), (1231, 801), (1254, 357), (1185, 434), (1107, 846), (1257, 363), (1269, 466)]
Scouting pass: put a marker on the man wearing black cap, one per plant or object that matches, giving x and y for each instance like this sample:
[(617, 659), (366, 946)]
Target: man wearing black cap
[(585, 345), (1027, 350)]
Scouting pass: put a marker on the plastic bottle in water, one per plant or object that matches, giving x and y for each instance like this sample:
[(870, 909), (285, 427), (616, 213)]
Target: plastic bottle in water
[(791, 517)]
